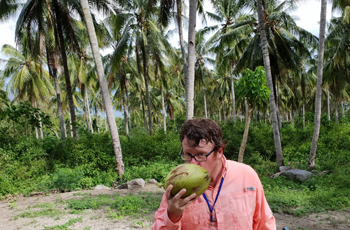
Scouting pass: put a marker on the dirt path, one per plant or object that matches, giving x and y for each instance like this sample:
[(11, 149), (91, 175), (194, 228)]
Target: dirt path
[(15, 214)]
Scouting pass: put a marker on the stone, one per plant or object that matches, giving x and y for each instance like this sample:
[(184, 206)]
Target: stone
[(284, 168), (102, 187), (123, 186), (297, 174), (152, 181), (136, 184)]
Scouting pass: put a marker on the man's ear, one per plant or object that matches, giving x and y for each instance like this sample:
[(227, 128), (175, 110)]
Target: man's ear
[(220, 152)]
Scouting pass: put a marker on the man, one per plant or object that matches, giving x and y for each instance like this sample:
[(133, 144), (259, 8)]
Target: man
[(234, 199)]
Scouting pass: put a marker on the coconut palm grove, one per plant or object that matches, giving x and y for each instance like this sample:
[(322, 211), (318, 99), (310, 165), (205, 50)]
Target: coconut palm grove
[(95, 92)]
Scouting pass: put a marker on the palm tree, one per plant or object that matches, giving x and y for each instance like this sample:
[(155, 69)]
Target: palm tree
[(312, 154), (287, 43), (4, 101), (224, 42), (266, 59), (189, 81), (29, 82), (103, 84), (7, 9)]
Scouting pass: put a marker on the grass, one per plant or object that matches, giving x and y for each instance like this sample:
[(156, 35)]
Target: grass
[(302, 198), (50, 212), (66, 225), (118, 206), (115, 205)]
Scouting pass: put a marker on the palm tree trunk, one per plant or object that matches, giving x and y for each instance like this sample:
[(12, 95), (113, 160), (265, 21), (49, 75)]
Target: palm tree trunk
[(86, 110), (127, 106), (342, 109), (303, 113), (96, 117), (104, 88), (312, 155), (163, 108), (36, 133), (328, 105), (267, 66), (143, 112), (278, 111), (223, 110), (181, 39), (336, 110), (125, 112), (52, 64), (189, 81), (246, 131), (54, 132), (205, 103), (41, 128), (233, 100), (105, 118), (145, 75), (70, 125), (66, 74)]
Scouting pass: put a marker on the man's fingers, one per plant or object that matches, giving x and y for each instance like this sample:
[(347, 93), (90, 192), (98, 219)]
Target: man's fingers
[(192, 197), (179, 194), (168, 191)]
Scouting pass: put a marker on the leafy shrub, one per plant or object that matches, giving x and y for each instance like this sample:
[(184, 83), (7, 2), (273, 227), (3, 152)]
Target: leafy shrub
[(6, 185), (86, 183), (65, 179), (156, 170)]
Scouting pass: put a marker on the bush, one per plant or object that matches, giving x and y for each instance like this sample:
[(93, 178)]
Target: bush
[(6, 185), (65, 179)]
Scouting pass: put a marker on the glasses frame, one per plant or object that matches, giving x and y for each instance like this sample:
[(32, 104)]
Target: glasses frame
[(194, 156)]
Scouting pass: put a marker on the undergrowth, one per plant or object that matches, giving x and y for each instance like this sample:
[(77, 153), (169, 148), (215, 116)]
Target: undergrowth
[(29, 165)]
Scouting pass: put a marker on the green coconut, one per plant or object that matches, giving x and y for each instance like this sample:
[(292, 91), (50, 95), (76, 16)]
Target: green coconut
[(193, 178)]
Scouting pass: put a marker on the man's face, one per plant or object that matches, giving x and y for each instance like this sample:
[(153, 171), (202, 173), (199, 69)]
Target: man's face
[(213, 160)]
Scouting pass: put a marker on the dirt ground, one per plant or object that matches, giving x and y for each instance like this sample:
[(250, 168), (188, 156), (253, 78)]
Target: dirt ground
[(97, 219)]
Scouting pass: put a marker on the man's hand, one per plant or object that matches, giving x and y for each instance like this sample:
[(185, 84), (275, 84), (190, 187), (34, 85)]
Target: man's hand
[(176, 205)]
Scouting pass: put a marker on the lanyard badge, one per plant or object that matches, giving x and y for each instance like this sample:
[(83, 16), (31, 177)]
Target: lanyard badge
[(211, 208)]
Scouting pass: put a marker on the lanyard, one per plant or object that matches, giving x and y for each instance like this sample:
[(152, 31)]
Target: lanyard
[(211, 209)]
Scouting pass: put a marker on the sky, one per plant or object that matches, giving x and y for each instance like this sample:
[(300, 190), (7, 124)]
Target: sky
[(308, 13)]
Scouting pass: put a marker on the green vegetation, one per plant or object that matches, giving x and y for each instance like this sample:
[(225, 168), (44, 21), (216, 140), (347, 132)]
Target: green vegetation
[(29, 165), (66, 225)]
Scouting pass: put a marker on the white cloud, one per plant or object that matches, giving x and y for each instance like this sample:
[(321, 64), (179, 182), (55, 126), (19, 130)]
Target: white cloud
[(7, 31), (7, 36), (309, 15)]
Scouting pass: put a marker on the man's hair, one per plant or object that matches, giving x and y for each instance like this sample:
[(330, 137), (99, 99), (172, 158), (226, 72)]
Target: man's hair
[(198, 129)]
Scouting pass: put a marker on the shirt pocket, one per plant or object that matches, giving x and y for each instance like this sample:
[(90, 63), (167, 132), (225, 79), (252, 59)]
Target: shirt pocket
[(242, 208), (195, 216)]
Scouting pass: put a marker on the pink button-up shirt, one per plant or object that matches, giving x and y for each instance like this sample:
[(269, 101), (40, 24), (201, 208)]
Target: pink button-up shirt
[(241, 204)]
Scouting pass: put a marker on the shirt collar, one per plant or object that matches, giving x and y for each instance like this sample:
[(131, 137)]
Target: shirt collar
[(225, 165)]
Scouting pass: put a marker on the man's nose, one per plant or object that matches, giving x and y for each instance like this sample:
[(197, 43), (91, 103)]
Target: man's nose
[(193, 161)]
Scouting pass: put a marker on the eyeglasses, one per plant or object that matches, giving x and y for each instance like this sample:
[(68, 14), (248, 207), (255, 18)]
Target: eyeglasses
[(200, 157)]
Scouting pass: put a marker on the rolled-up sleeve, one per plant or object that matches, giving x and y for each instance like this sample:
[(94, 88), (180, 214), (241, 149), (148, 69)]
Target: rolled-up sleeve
[(263, 218), (162, 220)]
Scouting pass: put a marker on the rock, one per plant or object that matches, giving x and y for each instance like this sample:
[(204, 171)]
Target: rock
[(136, 183), (102, 187), (284, 168), (152, 181), (123, 186), (297, 174)]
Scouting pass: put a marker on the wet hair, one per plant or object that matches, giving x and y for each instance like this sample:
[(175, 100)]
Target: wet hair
[(198, 129)]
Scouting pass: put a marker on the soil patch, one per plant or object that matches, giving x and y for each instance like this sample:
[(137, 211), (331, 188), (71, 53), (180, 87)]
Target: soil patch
[(15, 214)]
